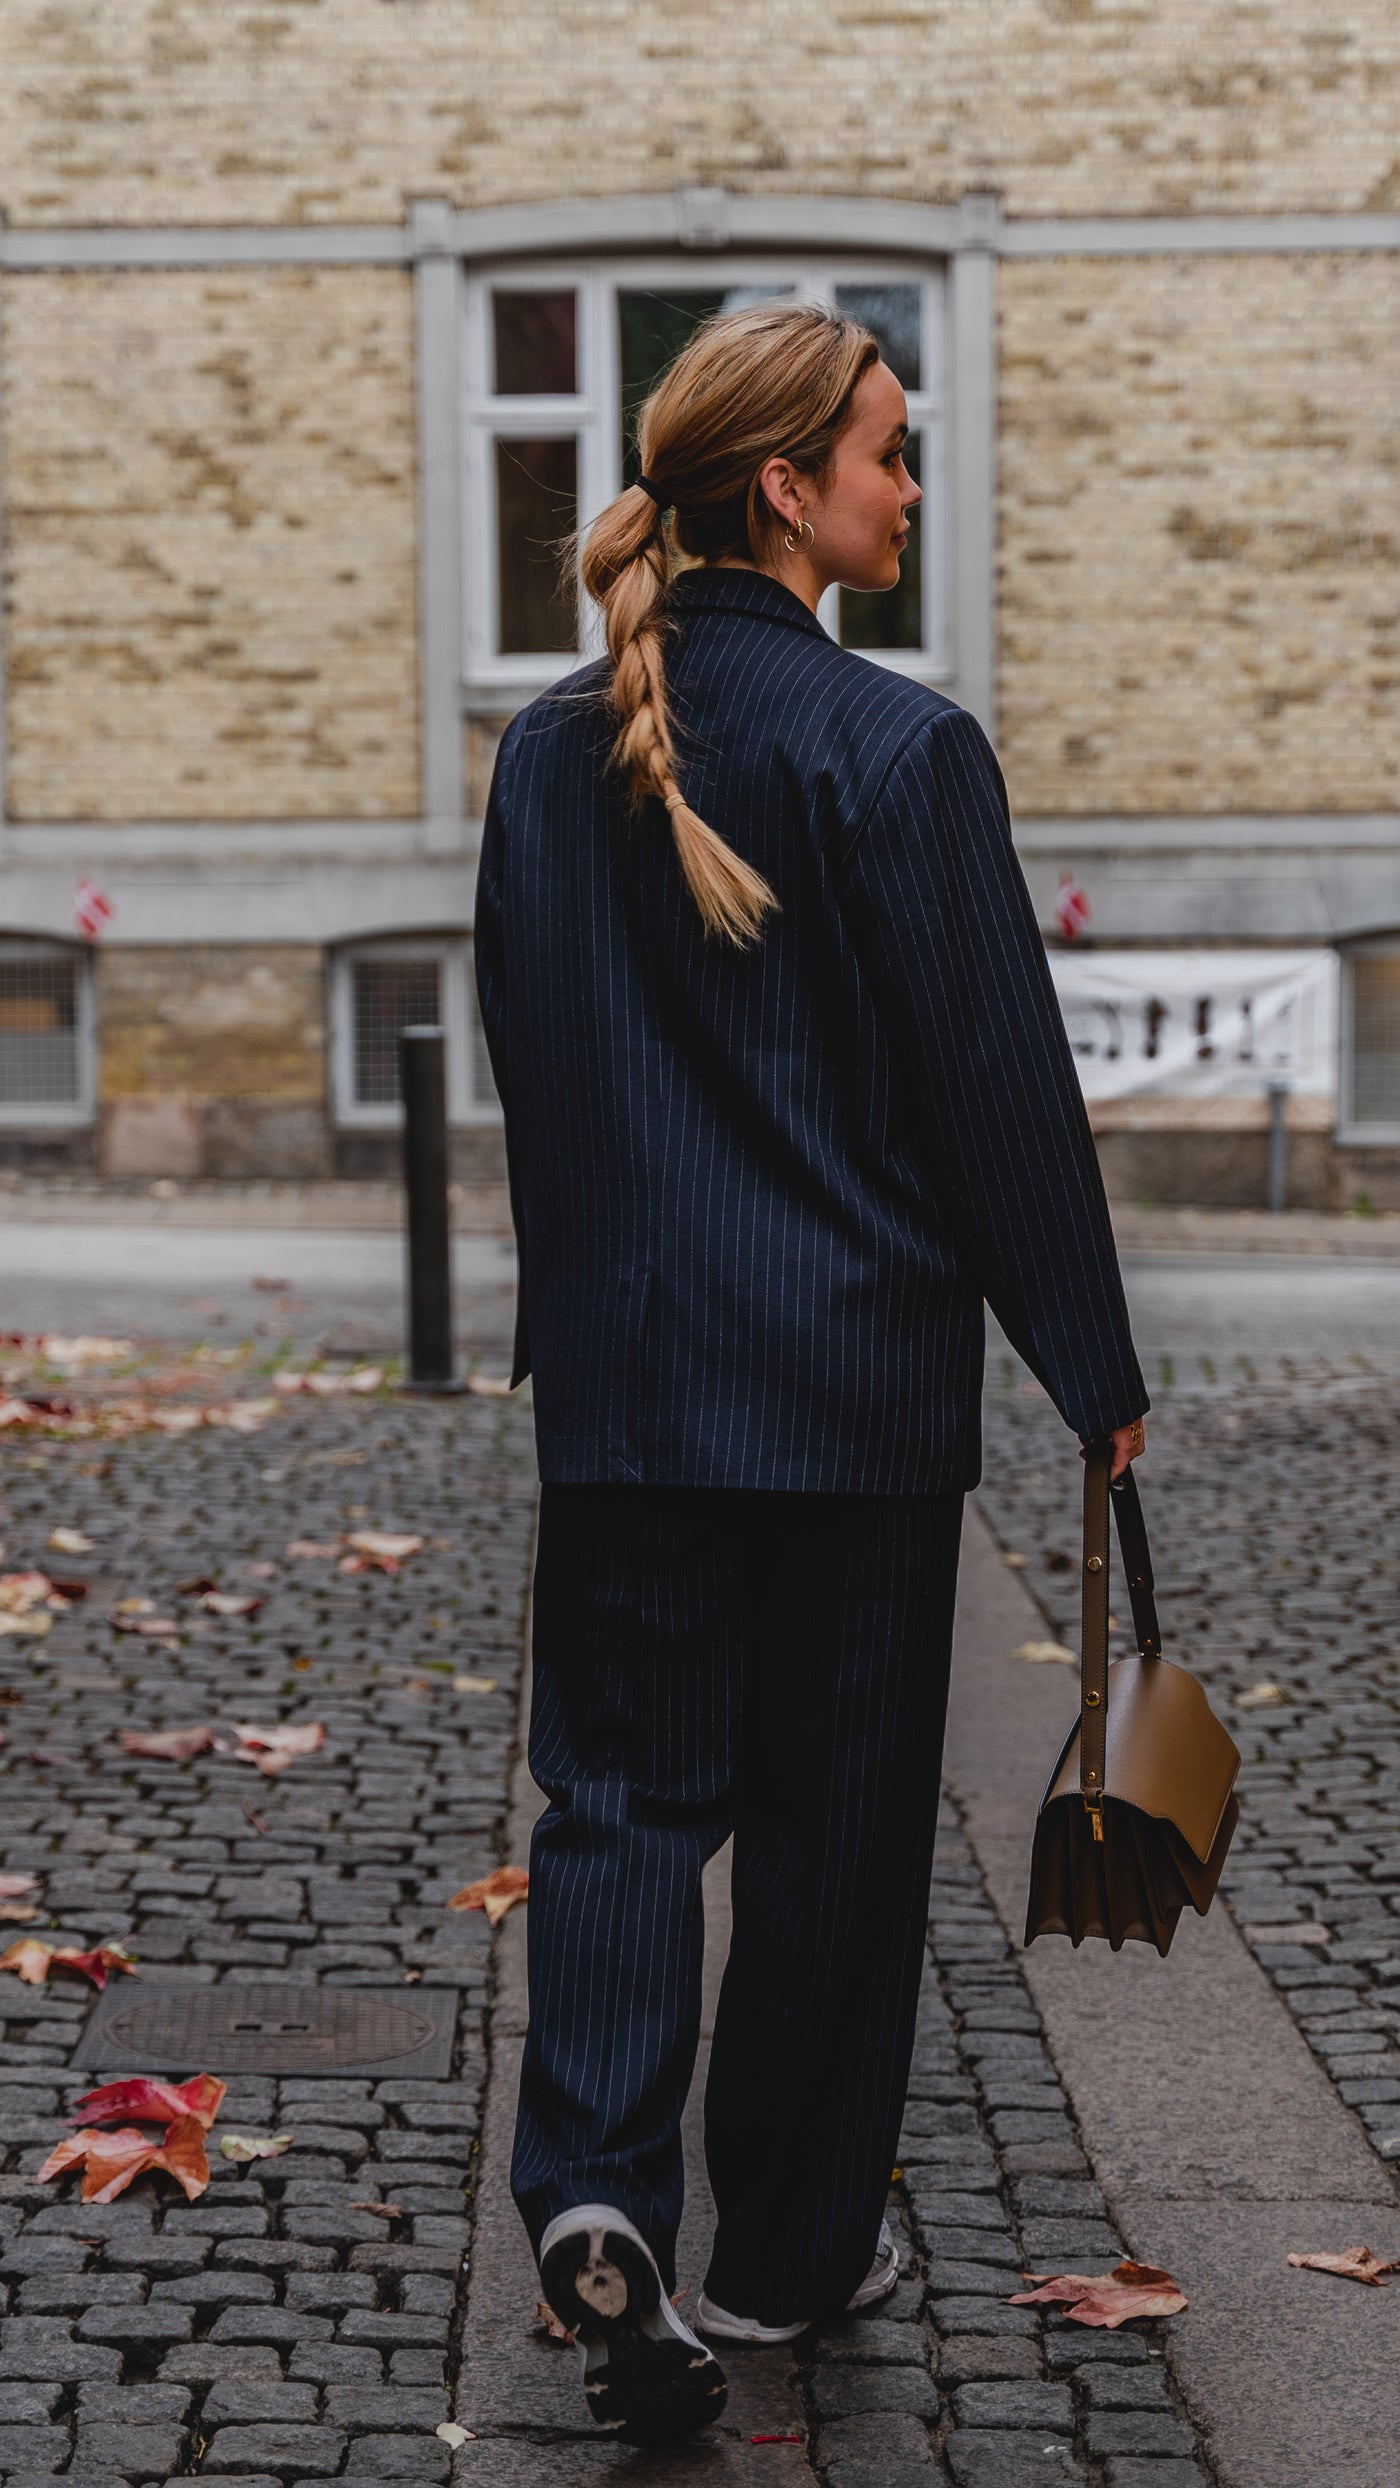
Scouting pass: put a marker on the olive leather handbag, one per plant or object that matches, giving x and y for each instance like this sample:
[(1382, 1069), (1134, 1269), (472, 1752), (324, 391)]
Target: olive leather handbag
[(1141, 1808)]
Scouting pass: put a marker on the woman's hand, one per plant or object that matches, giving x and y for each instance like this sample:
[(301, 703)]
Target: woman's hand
[(1129, 1443)]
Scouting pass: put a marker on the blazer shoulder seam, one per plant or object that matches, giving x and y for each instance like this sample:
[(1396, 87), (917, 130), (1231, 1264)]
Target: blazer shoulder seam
[(925, 725)]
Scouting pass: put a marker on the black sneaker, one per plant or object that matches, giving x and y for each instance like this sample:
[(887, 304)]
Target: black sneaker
[(647, 2378)]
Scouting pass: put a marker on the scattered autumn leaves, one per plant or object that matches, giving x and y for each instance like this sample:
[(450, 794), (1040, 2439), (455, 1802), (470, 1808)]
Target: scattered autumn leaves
[(35, 1962), (1108, 2300), (269, 1749)]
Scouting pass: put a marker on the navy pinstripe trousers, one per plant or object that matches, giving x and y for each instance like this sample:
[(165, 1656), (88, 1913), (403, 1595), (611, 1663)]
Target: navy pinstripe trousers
[(712, 1660)]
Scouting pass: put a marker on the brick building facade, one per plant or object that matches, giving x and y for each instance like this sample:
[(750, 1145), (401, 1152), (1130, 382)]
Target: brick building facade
[(317, 317)]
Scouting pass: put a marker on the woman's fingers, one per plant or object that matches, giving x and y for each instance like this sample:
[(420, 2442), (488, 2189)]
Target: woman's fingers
[(1129, 1443)]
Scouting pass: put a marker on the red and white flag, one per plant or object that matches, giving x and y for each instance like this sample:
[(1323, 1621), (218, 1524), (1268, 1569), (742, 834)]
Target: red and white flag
[(1072, 909), (92, 909)]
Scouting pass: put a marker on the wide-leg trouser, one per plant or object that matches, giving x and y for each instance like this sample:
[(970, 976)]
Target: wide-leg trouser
[(708, 1661)]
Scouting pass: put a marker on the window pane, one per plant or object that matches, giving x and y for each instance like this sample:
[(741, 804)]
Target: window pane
[(894, 619), (652, 328), (39, 1032), (892, 311), (536, 343), (536, 509), (1375, 1039), (387, 995)]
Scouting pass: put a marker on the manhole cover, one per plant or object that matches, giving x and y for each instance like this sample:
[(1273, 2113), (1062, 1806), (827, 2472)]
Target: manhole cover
[(271, 2029)]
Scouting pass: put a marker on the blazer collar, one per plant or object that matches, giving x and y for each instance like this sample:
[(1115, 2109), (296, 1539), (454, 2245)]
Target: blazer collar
[(743, 591)]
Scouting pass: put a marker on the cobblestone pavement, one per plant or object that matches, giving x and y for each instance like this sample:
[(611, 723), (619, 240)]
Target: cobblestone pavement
[(1273, 1507), (948, 2381), (275, 2330)]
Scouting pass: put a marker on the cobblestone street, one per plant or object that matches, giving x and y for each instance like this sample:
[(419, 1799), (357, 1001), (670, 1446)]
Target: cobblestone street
[(307, 2317)]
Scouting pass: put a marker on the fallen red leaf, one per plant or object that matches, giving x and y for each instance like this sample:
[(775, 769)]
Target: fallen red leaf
[(168, 1744), (34, 1961), (144, 2095), (1109, 2299), (196, 1588), (12, 1886), (495, 1893), (111, 2161), (1358, 2263), (548, 2323)]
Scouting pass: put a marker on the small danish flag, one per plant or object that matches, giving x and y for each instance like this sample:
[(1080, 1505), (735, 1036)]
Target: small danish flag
[(1072, 909), (92, 909)]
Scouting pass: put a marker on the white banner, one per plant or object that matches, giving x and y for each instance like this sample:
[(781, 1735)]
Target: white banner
[(1200, 1023)]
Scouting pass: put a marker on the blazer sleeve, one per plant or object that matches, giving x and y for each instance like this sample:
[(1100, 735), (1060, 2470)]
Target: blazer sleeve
[(941, 918), (489, 959)]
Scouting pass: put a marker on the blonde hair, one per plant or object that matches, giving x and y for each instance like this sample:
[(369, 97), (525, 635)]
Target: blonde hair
[(774, 381)]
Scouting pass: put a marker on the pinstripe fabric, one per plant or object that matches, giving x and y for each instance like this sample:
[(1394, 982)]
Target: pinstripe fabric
[(775, 1665), (760, 1197)]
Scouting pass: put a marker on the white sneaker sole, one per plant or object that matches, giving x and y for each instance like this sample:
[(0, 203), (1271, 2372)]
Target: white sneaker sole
[(878, 2283), (646, 2378)]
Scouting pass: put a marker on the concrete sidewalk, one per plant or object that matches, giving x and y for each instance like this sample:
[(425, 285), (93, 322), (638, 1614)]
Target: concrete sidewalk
[(1216, 2137)]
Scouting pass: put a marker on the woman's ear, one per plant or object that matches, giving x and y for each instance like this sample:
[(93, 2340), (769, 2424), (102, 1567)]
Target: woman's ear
[(777, 481)]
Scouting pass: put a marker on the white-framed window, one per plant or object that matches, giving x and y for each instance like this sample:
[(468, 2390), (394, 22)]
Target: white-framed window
[(380, 987), (1370, 1070), (558, 359), (46, 1033)]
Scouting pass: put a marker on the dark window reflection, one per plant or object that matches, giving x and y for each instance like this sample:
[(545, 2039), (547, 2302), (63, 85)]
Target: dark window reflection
[(896, 618), (893, 313), (537, 508), (536, 343), (652, 328)]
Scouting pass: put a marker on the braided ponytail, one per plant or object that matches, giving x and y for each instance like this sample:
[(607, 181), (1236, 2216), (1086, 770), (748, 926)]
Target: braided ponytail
[(750, 385)]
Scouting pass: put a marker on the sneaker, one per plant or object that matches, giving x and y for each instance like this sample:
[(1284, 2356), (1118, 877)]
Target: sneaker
[(877, 2284), (646, 2377)]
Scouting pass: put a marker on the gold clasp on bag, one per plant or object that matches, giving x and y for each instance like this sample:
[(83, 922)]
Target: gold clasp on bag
[(1094, 1809)]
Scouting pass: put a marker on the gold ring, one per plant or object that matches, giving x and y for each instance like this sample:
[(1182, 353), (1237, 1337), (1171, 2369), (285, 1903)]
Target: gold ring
[(1135, 1434)]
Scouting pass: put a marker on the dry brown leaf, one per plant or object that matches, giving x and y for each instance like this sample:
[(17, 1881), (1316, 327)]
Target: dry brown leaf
[(378, 1550), (490, 1386), (1258, 1697), (255, 2146), (381, 2211), (13, 1885), (1110, 2298), (70, 1542), (227, 1602), (168, 1744), (22, 1592), (1047, 1651), (272, 1749), (361, 1378), (314, 1550), (34, 1961), (495, 1893), (82, 1350), (1358, 2263), (112, 2160), (474, 1684), (18, 1913)]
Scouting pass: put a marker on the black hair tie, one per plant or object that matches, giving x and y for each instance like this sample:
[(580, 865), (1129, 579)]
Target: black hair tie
[(656, 492)]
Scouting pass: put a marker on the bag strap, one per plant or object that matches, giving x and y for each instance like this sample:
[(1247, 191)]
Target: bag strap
[(1137, 1563)]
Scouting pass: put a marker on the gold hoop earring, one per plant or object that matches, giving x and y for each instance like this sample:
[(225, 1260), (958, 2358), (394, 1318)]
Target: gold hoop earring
[(804, 528)]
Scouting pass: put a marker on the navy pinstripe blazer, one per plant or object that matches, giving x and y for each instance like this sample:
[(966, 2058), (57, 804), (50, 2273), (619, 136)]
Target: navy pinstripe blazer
[(760, 1195)]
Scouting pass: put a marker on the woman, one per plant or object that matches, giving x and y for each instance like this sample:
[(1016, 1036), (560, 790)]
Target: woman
[(786, 1095)]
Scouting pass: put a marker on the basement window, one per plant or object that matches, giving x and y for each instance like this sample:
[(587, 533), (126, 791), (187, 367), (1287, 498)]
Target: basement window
[(46, 1069), (1371, 1042), (379, 988)]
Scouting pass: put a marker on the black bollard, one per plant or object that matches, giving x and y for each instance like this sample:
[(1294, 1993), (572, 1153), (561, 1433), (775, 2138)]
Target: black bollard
[(423, 1082)]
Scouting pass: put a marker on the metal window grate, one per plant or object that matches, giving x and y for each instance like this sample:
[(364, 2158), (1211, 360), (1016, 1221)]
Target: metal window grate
[(387, 995), (1375, 1039), (39, 1030)]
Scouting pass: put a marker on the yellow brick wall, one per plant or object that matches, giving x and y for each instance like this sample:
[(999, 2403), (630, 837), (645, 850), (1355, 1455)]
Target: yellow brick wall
[(1200, 534), (209, 538), (212, 1060), (325, 111)]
